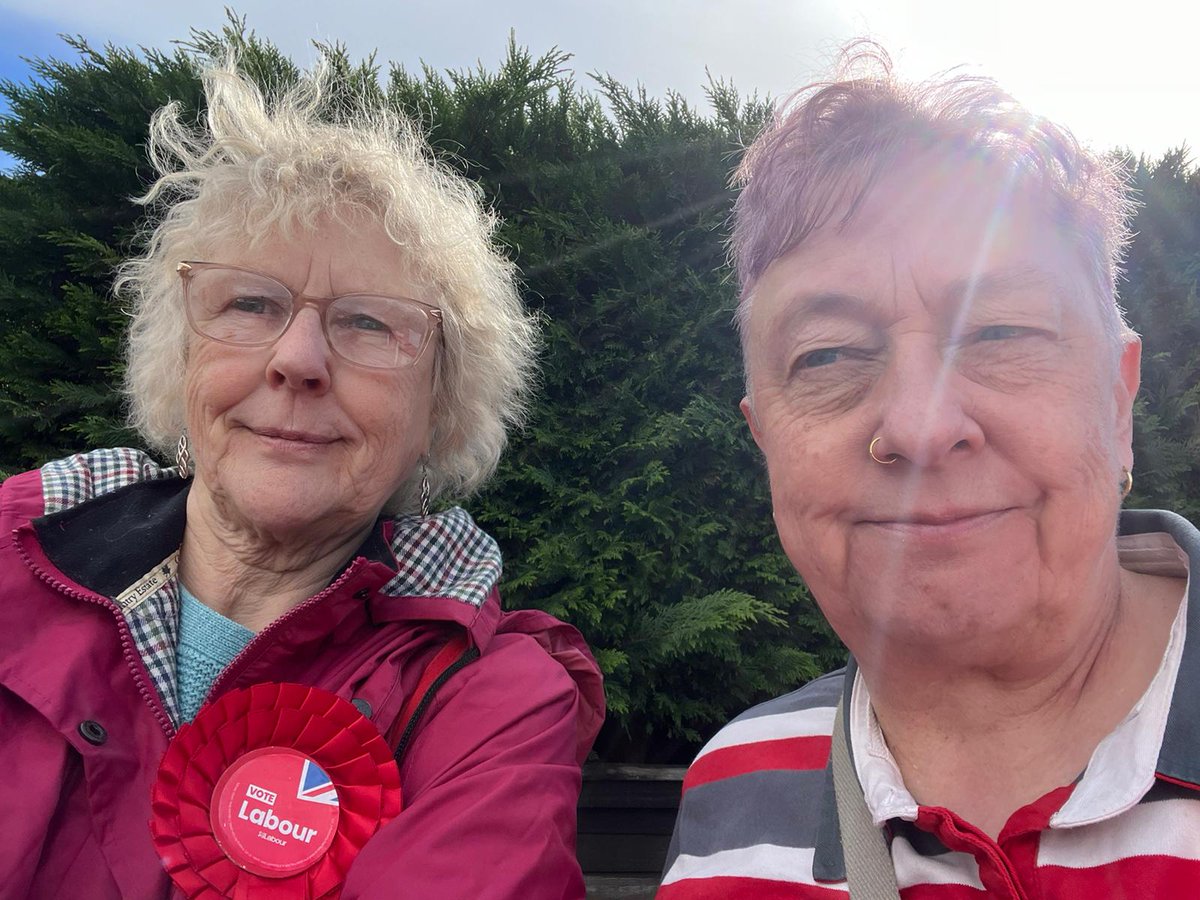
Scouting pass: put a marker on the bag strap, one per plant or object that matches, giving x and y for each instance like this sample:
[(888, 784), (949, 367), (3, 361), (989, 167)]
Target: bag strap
[(453, 656), (870, 874)]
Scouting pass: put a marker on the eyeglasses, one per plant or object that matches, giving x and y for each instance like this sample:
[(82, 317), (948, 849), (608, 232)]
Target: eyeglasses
[(234, 305)]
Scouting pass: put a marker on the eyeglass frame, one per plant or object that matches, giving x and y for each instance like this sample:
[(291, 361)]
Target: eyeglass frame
[(432, 313)]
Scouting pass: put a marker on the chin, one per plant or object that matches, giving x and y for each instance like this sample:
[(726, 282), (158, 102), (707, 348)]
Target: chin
[(283, 501), (287, 517), (943, 606)]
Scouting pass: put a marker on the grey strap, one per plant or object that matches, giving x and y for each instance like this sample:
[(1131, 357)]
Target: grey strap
[(870, 874)]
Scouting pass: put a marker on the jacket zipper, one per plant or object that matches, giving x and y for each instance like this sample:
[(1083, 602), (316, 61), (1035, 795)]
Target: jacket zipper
[(133, 657), (230, 673)]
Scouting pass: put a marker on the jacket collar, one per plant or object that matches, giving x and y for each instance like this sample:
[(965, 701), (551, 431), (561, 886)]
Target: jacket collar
[(1178, 760), (109, 542), (114, 516)]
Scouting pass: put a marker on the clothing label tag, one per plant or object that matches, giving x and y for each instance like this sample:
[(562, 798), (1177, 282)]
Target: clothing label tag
[(274, 812), (132, 597)]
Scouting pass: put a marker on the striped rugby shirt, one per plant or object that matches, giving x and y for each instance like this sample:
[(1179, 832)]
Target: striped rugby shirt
[(759, 820)]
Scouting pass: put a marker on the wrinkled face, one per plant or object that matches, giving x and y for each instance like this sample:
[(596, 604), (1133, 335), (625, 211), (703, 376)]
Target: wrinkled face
[(291, 436), (954, 322)]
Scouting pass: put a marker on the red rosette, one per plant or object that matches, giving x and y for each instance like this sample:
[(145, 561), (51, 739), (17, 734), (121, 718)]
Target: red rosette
[(270, 793)]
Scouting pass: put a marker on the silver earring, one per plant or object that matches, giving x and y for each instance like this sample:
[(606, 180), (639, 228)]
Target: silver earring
[(183, 456), (424, 490)]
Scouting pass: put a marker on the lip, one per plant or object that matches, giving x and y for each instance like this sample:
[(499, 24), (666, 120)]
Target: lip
[(936, 524), (293, 437)]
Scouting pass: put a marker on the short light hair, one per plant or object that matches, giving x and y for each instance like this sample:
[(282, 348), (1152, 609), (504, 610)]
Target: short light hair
[(830, 143), (266, 164)]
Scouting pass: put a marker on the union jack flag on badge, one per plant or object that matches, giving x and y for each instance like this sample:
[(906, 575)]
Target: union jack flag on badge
[(316, 786)]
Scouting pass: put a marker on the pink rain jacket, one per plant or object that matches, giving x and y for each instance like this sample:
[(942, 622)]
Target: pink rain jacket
[(490, 778)]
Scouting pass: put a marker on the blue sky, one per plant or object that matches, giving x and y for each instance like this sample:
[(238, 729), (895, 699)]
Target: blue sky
[(27, 36), (24, 35), (1127, 81)]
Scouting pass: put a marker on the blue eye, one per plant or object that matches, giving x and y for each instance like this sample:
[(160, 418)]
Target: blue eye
[(255, 306), (362, 322), (999, 333), (823, 357)]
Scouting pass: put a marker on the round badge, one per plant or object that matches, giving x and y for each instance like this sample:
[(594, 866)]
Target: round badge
[(274, 812), (271, 791)]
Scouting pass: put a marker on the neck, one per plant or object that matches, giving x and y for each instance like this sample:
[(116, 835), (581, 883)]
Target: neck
[(254, 576), (1029, 724)]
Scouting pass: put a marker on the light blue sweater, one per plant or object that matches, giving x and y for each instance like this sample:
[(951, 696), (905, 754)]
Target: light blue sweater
[(208, 642)]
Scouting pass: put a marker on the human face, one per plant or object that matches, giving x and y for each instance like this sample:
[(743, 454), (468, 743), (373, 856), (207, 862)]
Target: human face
[(952, 320), (291, 437)]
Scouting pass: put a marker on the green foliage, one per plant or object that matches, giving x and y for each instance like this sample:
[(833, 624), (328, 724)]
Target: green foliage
[(78, 131), (1160, 295), (634, 505)]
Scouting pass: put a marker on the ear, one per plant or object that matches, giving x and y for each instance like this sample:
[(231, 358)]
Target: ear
[(752, 420), (1129, 378)]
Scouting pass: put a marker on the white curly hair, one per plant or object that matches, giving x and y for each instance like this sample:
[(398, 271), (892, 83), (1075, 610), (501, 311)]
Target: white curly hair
[(268, 163)]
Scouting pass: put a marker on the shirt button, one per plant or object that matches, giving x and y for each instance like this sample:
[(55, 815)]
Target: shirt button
[(92, 732), (362, 706)]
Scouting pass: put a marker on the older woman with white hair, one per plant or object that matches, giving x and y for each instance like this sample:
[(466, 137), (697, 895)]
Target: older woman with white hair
[(942, 385), (273, 669)]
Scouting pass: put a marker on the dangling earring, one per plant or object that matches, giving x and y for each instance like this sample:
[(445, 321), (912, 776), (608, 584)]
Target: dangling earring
[(183, 456), (424, 489), (1126, 482)]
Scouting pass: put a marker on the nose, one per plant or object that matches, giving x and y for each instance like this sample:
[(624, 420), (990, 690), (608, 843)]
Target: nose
[(923, 414), (300, 358)]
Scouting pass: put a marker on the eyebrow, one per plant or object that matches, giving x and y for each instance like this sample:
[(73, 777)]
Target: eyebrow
[(991, 285), (823, 303), (973, 288)]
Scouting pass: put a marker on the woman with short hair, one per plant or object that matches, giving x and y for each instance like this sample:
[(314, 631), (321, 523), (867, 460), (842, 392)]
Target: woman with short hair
[(942, 385)]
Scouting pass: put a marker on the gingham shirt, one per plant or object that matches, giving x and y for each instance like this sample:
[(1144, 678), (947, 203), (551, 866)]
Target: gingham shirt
[(443, 555), (759, 820)]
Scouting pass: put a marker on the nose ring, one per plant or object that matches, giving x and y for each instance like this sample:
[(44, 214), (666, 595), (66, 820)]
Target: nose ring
[(885, 461)]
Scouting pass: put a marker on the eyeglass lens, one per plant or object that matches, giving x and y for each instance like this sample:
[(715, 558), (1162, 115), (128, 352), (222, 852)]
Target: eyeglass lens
[(237, 307)]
